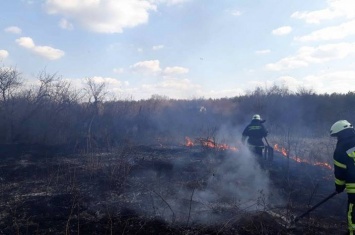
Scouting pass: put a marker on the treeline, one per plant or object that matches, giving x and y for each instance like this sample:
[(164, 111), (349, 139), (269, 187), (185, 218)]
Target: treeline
[(53, 112)]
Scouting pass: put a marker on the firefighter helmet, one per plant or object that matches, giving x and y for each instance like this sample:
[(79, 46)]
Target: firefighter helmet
[(256, 117), (339, 126)]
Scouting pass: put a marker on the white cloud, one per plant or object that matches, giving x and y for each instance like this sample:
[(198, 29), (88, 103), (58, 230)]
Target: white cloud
[(169, 2), (309, 55), (152, 67), (114, 88), (284, 30), (107, 80), (147, 67), (181, 84), (105, 16), (290, 82), (225, 93), (184, 89), (260, 52), (175, 70), (44, 51), (314, 17), (118, 70), (81, 82), (13, 29), (172, 88), (26, 42), (339, 82), (3, 54), (65, 24), (287, 63), (335, 9), (158, 47), (330, 33)]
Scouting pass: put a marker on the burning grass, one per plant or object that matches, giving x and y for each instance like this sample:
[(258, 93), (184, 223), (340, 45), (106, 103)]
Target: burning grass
[(208, 143)]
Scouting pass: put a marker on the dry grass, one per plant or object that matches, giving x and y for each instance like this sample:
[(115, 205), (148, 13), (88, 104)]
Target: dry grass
[(145, 190)]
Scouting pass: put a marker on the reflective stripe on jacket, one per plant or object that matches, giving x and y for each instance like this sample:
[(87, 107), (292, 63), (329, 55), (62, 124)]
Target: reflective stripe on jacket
[(255, 132)]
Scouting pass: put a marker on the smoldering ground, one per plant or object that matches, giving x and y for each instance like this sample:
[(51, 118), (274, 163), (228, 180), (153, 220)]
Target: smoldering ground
[(201, 185), (175, 184)]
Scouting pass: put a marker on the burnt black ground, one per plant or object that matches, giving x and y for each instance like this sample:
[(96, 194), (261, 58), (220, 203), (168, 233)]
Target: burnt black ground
[(45, 190)]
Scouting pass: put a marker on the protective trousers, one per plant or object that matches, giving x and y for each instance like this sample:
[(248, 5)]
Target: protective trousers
[(351, 218), (257, 150)]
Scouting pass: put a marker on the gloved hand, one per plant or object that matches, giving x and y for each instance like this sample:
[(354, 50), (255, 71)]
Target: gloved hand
[(339, 188)]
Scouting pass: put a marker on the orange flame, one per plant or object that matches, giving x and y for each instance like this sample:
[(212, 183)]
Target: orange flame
[(285, 153), (282, 150), (188, 142), (209, 144)]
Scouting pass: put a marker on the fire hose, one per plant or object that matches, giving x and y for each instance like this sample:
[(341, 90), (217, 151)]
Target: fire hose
[(292, 223)]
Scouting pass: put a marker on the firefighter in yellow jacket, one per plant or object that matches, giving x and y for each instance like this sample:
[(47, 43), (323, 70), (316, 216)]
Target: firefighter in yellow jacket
[(344, 165)]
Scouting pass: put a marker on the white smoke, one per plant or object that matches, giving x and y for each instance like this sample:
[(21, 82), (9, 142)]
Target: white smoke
[(213, 187)]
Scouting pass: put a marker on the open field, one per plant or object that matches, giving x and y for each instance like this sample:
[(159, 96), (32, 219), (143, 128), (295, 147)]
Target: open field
[(162, 190)]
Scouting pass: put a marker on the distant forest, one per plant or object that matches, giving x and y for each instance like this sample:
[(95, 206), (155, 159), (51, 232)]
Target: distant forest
[(56, 113)]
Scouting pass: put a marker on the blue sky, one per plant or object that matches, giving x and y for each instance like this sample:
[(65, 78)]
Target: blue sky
[(183, 48)]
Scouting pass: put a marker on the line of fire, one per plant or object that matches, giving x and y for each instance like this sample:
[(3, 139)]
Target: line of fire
[(210, 143)]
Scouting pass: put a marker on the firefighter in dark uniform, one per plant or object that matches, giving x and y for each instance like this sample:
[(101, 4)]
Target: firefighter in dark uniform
[(254, 133), (344, 165)]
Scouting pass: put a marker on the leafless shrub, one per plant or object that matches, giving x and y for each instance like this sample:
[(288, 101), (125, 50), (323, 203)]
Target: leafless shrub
[(10, 81)]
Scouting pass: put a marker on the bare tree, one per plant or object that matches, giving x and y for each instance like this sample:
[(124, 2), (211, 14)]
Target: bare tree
[(304, 91), (10, 81), (96, 91), (55, 97), (47, 110)]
